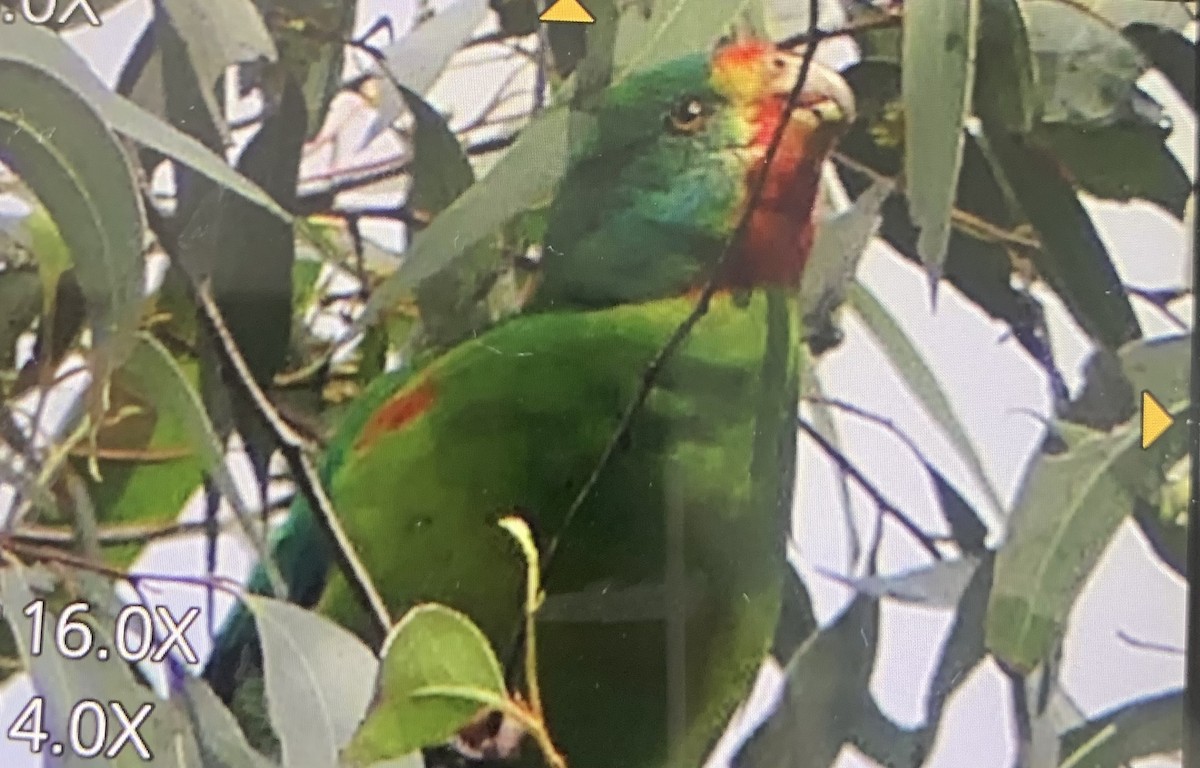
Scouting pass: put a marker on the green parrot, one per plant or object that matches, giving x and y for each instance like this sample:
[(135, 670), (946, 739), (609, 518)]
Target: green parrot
[(664, 590)]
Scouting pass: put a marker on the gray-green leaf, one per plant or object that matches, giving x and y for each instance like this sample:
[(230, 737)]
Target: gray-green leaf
[(62, 149), (1067, 512), (937, 77), (430, 653), (216, 37), (318, 681), (44, 51)]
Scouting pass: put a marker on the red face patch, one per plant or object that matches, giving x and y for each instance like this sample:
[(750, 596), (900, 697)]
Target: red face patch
[(397, 412)]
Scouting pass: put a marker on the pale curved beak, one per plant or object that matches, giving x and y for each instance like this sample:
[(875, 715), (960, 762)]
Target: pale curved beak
[(825, 94)]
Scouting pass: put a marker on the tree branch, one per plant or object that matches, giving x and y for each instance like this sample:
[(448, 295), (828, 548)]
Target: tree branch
[(885, 506), (293, 448)]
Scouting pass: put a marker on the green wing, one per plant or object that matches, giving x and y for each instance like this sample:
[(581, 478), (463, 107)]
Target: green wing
[(680, 545)]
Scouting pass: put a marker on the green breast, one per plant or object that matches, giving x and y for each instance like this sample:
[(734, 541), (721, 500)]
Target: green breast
[(664, 593)]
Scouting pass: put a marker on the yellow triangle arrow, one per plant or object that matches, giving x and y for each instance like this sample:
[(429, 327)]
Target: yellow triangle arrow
[(1155, 419), (568, 10)]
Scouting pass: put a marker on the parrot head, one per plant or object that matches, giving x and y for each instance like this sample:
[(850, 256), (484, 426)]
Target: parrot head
[(662, 179)]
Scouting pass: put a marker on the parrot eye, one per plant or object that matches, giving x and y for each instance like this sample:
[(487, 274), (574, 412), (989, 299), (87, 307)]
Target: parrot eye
[(687, 116)]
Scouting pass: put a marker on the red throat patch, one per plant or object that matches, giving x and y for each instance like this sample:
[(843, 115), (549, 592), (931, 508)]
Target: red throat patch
[(397, 412), (779, 235)]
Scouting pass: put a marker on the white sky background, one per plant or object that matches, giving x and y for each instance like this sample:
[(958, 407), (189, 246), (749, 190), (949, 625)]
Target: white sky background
[(989, 380)]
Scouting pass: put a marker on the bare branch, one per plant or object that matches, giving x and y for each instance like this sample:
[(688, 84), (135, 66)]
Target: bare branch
[(294, 450)]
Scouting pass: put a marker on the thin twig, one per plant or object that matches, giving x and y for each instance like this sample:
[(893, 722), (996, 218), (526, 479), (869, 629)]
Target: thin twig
[(112, 535), (699, 310), (885, 506), (62, 557), (1148, 645), (967, 223), (814, 35), (487, 146), (875, 418), (294, 450), (1161, 301)]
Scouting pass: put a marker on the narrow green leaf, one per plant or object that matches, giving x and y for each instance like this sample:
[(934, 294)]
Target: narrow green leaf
[(153, 467), (160, 378), (1172, 14), (1087, 71), (836, 253), (64, 683), (1171, 53), (45, 52), (1144, 727), (1006, 81), (907, 359), (440, 169), (937, 78), (416, 60), (318, 681), (220, 742), (438, 672), (1073, 260), (1069, 507), (216, 37), (826, 688), (523, 179), (65, 153), (1119, 162)]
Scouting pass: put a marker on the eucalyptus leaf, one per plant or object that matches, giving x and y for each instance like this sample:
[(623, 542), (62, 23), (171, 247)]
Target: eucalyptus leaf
[(940, 585), (41, 50), (1171, 53), (62, 149), (416, 60), (524, 178), (1087, 70), (217, 37), (836, 252), (826, 688), (1120, 162), (1069, 507), (220, 742), (440, 169), (907, 359), (161, 378), (1006, 80), (64, 683), (430, 653), (1073, 259), (1114, 383), (937, 78), (147, 459), (1143, 727), (1171, 14), (318, 681)]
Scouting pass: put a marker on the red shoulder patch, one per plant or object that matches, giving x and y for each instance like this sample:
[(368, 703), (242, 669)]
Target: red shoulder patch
[(395, 413)]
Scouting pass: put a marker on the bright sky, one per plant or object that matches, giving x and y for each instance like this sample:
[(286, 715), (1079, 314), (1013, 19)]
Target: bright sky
[(993, 386)]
